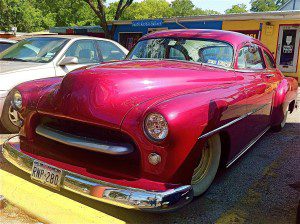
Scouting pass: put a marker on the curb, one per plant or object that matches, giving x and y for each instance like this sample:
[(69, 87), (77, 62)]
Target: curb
[(47, 206)]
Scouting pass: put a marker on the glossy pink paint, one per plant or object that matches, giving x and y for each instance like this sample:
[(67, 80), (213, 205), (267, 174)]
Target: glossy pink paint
[(194, 98)]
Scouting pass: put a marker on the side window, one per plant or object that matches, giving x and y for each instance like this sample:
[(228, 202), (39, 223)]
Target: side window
[(250, 57), (269, 60), (242, 59), (176, 54), (110, 51), (84, 50)]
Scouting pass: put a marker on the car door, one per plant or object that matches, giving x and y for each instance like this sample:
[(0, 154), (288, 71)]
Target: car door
[(85, 51), (258, 90)]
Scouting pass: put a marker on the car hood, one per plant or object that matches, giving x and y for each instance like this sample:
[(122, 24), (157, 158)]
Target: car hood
[(105, 94), (13, 73), (17, 66)]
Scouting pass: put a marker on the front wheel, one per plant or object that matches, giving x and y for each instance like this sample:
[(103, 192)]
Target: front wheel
[(208, 165), (10, 119), (279, 127)]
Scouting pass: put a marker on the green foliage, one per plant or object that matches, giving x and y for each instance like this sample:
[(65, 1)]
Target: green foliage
[(149, 9), (37, 15), (183, 7), (266, 5), (239, 8), (68, 12), (23, 15)]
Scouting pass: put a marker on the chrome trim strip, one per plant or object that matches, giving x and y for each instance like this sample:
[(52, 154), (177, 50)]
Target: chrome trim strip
[(232, 122), (122, 196), (246, 148), (81, 142)]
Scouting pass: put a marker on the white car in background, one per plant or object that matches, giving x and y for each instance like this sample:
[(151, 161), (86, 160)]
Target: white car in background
[(6, 43), (48, 56)]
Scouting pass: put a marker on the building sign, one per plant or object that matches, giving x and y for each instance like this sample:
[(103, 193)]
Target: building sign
[(288, 48), (148, 23), (251, 33)]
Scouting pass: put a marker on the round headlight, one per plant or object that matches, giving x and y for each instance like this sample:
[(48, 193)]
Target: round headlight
[(17, 100), (156, 127)]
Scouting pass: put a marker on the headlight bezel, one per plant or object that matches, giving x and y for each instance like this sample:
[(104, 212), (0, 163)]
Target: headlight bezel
[(148, 133), (17, 100)]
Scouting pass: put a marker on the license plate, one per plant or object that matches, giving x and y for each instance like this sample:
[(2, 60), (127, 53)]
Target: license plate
[(46, 174)]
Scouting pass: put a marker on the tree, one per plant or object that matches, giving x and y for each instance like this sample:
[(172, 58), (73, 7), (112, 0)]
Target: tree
[(239, 8), (187, 8), (37, 15), (23, 15), (182, 7), (68, 12), (99, 9), (266, 5)]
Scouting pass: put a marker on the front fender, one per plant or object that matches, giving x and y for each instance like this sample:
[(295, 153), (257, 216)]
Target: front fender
[(32, 90), (31, 93), (188, 116), (285, 93)]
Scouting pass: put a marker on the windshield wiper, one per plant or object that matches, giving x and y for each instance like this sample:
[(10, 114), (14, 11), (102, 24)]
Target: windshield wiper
[(13, 59)]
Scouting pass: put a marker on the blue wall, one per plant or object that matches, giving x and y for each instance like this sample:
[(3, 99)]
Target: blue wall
[(217, 25)]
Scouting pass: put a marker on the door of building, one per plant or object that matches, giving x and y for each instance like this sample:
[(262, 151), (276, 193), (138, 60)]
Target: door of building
[(128, 40), (288, 48)]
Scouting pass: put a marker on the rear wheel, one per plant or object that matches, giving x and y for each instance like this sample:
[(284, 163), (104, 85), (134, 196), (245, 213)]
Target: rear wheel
[(10, 119), (207, 167)]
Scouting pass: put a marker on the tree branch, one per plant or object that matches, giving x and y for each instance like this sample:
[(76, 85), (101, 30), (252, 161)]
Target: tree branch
[(121, 8), (101, 14)]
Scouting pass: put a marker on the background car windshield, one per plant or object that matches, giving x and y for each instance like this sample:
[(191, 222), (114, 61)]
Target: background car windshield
[(4, 46), (204, 51), (38, 49)]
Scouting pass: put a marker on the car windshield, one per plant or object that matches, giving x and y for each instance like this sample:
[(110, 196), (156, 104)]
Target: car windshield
[(210, 52), (4, 46), (36, 49)]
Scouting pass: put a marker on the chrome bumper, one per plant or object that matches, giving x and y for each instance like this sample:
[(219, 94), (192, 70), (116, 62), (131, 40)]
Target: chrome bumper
[(122, 196)]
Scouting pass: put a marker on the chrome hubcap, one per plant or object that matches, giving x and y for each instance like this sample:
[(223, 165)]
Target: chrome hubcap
[(14, 116), (203, 167)]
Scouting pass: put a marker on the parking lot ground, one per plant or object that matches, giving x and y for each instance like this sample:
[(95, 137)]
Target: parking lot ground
[(12, 214), (262, 187)]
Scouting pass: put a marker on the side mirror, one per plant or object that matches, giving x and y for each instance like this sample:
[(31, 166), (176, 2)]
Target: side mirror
[(68, 61)]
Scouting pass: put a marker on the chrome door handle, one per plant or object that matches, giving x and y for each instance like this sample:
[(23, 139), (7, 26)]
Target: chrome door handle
[(270, 75)]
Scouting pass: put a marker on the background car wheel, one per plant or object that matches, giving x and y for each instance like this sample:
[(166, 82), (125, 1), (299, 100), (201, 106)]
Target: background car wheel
[(279, 127), (207, 167), (10, 118)]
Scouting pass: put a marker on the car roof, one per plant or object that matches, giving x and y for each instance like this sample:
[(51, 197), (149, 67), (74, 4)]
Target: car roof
[(4, 40), (231, 37), (70, 37)]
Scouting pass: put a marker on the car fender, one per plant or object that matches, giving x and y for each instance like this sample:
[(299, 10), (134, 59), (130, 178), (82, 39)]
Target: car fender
[(285, 92), (196, 112)]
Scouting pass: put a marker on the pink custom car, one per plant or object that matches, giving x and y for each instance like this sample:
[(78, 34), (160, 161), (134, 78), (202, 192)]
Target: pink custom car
[(150, 132)]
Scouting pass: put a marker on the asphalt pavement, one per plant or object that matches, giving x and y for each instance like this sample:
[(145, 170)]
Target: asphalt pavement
[(261, 187)]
